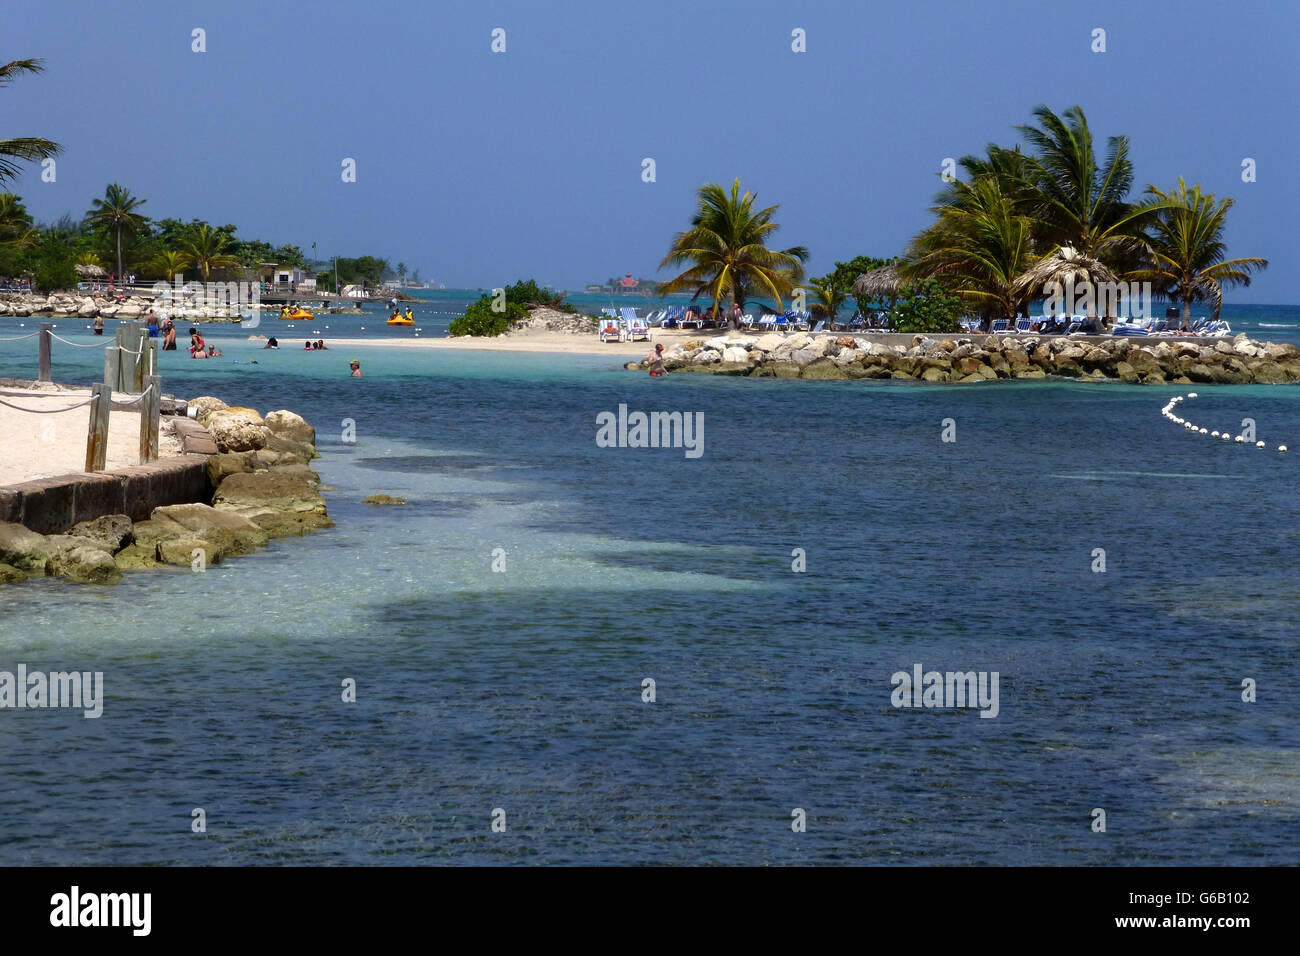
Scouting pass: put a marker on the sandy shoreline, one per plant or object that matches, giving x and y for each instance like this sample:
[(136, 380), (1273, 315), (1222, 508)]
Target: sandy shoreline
[(45, 445), (532, 342)]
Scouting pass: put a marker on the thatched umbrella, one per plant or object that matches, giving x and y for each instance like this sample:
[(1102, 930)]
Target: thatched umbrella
[(1064, 268), (87, 270), (879, 284)]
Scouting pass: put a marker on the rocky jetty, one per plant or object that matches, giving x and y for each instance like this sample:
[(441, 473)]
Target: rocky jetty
[(80, 306), (1147, 361), (263, 488), (543, 319)]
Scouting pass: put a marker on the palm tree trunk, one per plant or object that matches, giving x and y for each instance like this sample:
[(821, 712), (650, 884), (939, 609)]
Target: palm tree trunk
[(119, 253), (1187, 312)]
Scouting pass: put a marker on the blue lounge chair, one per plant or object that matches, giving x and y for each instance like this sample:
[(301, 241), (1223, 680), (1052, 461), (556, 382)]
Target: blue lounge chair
[(1000, 325)]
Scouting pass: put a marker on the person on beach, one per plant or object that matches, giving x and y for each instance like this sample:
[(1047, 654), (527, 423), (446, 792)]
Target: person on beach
[(356, 368), (98, 325), (734, 316), (656, 362)]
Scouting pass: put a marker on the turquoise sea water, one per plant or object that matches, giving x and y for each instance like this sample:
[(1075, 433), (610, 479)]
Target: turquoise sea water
[(522, 690)]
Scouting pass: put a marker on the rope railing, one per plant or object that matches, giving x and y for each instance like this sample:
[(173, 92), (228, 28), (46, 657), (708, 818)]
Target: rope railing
[(46, 411), (136, 376)]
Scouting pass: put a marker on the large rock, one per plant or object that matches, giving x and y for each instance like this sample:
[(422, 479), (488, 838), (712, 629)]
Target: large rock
[(735, 354), (205, 405), (11, 575), (288, 425), (111, 532), (84, 565), (706, 357), (221, 466), (236, 430), (291, 450), (24, 548), (824, 369), (269, 489)]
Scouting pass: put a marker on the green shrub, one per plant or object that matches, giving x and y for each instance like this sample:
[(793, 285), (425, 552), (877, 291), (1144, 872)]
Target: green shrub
[(480, 319), (927, 307)]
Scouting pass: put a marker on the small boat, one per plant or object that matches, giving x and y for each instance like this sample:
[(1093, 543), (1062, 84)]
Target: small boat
[(398, 319), (297, 313)]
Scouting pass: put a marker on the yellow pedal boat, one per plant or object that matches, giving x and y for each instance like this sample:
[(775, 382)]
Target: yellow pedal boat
[(299, 314)]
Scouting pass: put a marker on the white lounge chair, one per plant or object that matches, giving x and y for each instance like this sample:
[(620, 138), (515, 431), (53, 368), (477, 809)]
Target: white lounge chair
[(638, 329), (610, 331)]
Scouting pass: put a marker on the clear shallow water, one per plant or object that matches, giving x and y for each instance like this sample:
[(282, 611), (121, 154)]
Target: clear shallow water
[(521, 690)]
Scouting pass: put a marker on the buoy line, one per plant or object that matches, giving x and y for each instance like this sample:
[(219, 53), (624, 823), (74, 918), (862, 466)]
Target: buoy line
[(1169, 412)]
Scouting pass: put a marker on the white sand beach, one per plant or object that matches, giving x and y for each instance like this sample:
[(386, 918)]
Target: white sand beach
[(42, 446), (527, 342)]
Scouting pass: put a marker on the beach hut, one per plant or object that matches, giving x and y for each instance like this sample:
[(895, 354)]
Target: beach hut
[(882, 283), (1064, 270)]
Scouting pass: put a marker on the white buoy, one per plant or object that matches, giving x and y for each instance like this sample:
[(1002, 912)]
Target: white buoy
[(1259, 444), (1214, 434), (1240, 440), (1191, 394), (1281, 448), (1226, 437)]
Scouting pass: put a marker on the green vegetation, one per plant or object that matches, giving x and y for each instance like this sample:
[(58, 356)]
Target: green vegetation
[(1187, 250), (483, 320), (727, 252), (833, 289), (927, 307), (1025, 220)]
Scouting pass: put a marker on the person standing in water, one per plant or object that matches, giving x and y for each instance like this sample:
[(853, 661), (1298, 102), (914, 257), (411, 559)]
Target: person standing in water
[(656, 362), (356, 368)]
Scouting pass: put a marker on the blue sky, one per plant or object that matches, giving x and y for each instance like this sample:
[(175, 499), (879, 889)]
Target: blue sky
[(481, 167)]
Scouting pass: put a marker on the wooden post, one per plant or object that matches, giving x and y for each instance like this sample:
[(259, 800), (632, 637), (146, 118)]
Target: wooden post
[(150, 412), (97, 436), (43, 356), (112, 364), (118, 384), (140, 362)]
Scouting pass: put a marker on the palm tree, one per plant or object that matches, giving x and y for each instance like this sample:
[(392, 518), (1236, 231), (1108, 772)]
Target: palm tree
[(28, 148), (1186, 244), (726, 247), (15, 223), (168, 264), (206, 251), (979, 246), (1074, 200), (829, 298), (116, 212)]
